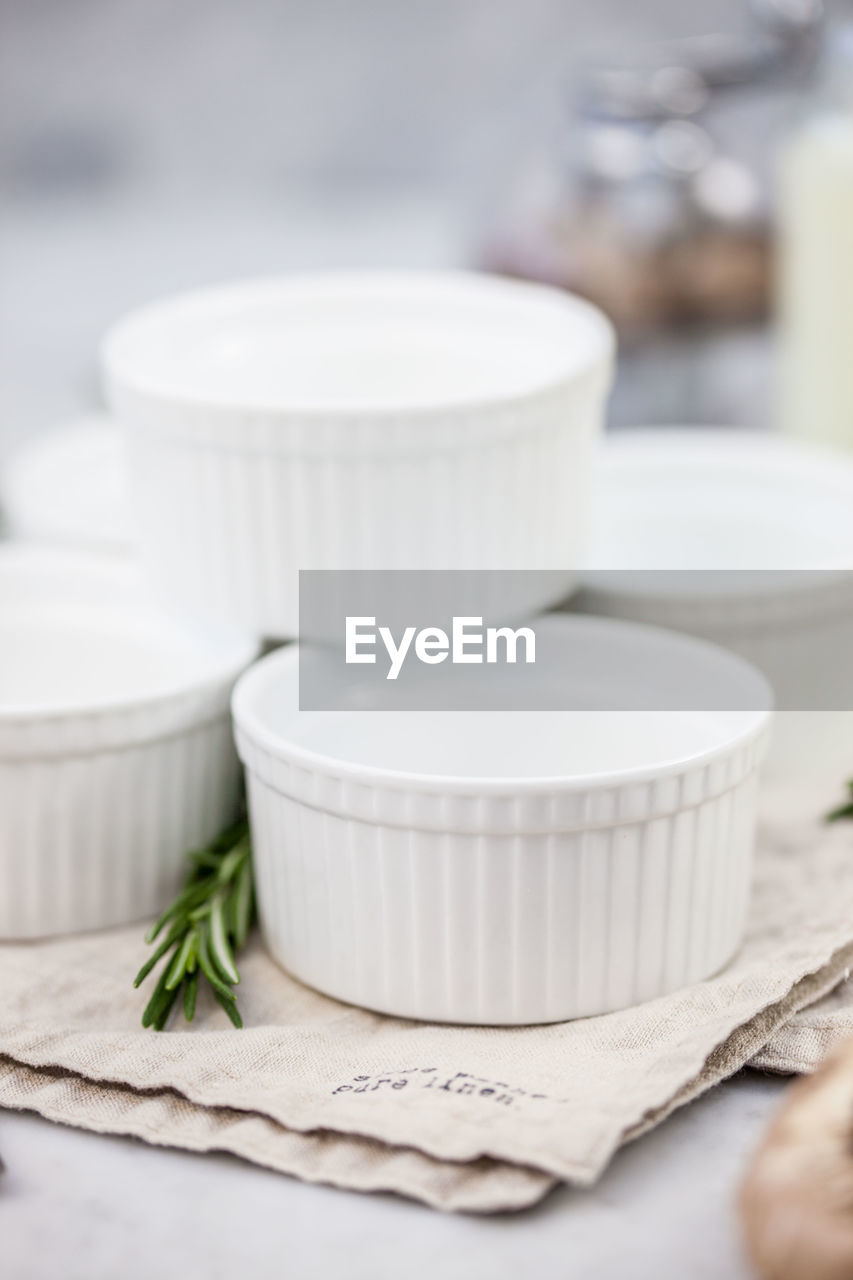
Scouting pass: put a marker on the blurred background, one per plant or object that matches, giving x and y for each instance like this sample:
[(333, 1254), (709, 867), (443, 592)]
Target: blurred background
[(148, 147)]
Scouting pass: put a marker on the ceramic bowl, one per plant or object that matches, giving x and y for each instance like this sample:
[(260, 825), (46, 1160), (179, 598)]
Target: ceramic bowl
[(116, 754), (355, 421), (509, 867), (68, 487), (777, 517)]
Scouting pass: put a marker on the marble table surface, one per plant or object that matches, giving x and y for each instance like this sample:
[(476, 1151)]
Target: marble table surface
[(80, 1206)]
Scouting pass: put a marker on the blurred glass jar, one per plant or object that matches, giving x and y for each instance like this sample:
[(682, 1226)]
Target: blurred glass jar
[(655, 204), (661, 228)]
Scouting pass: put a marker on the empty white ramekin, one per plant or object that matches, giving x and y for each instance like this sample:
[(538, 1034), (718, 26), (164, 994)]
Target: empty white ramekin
[(508, 867), (116, 753), (68, 487), (777, 515), (355, 421)]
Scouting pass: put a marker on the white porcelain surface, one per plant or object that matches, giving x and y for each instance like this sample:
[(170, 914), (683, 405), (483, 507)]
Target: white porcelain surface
[(705, 499), (507, 867), (116, 755), (68, 486), (374, 420), (719, 498)]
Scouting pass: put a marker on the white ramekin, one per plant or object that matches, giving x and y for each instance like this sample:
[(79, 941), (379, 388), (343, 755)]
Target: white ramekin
[(507, 867), (116, 753), (355, 421), (713, 499), (68, 487)]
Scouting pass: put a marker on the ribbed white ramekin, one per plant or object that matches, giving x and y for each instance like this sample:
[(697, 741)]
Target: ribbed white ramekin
[(68, 487), (116, 752), (775, 518), (501, 899), (362, 421)]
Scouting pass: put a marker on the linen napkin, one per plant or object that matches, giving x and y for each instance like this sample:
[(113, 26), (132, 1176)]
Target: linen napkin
[(799, 1046), (481, 1119)]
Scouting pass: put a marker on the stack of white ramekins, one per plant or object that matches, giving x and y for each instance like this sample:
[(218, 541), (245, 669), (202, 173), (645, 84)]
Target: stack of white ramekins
[(484, 867)]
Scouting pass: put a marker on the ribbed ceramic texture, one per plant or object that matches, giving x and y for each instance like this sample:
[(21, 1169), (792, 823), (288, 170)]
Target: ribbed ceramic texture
[(498, 909), (98, 837), (224, 527)]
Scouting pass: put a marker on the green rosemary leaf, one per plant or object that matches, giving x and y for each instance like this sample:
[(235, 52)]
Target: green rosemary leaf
[(205, 925), (230, 1008), (230, 864), (160, 997), (204, 858), (226, 840), (242, 903), (219, 948), (179, 909), (206, 964), (183, 959), (845, 810), (190, 993), (165, 1009), (166, 945)]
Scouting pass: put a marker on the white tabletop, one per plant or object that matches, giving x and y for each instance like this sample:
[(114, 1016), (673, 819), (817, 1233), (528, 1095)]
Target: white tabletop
[(80, 1206)]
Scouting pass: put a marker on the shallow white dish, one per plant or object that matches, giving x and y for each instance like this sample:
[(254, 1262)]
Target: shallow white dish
[(704, 499), (355, 421), (116, 754), (68, 487), (507, 867)]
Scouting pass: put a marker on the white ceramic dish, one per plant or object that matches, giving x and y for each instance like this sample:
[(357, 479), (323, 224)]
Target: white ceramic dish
[(116, 755), (68, 487), (507, 867), (360, 421), (698, 499)]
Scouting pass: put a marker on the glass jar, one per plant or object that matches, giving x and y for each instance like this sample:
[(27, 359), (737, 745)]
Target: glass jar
[(655, 207)]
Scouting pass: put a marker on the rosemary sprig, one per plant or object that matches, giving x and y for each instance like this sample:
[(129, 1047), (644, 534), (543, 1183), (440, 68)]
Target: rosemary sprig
[(203, 929), (844, 810)]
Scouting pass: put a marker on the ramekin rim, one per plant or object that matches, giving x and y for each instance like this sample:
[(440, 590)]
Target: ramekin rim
[(117, 373), (261, 737), (238, 652)]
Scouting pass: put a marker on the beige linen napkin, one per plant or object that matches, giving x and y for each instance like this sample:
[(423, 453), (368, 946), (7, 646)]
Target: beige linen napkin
[(461, 1118), (800, 1045)]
